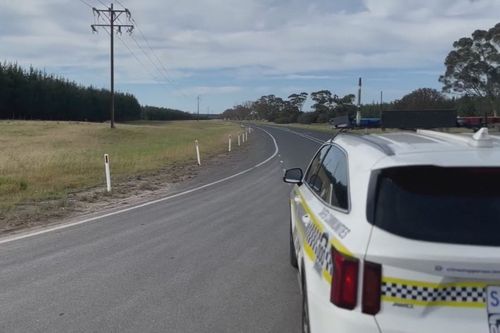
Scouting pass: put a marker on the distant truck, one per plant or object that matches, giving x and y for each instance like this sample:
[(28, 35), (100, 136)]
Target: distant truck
[(424, 119), (477, 122), (350, 122)]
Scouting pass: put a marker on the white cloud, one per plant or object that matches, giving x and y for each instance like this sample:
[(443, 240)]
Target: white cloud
[(294, 39)]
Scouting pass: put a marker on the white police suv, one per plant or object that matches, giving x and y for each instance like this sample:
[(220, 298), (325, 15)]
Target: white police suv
[(399, 233)]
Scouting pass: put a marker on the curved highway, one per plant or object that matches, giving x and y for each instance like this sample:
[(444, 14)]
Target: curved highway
[(212, 259)]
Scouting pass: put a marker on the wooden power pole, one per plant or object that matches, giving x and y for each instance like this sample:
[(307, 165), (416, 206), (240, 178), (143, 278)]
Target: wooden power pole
[(110, 15)]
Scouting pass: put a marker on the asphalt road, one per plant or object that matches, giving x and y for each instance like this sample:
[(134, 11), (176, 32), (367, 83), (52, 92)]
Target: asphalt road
[(211, 260)]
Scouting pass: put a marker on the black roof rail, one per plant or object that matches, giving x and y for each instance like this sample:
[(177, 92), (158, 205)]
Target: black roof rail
[(371, 140)]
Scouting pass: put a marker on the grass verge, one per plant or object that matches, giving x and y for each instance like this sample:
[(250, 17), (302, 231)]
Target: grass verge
[(44, 160)]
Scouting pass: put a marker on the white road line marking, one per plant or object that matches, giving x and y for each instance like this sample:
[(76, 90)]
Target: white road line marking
[(305, 136), (149, 203)]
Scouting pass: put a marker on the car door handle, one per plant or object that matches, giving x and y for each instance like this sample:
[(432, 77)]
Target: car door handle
[(306, 219), (297, 199)]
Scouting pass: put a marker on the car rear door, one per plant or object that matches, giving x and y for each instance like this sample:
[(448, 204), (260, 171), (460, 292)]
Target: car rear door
[(436, 234)]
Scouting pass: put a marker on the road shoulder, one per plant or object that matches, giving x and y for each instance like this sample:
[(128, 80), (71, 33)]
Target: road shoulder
[(139, 190)]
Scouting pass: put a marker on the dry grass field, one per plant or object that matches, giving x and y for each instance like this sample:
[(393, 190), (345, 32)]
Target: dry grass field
[(42, 160)]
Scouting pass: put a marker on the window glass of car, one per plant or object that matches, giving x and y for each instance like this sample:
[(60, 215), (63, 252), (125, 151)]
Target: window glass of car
[(311, 179), (335, 166), (329, 181), (437, 204)]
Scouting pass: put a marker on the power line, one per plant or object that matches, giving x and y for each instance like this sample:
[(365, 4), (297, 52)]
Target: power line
[(146, 54), (152, 51), (137, 58), (86, 3), (102, 3), (158, 65), (164, 76), (161, 67), (120, 3), (198, 113)]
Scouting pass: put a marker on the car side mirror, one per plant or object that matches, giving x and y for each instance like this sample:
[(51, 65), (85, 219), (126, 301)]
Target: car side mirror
[(293, 176)]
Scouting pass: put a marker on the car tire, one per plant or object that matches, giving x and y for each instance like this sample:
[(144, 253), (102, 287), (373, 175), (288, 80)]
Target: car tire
[(306, 328), (293, 254)]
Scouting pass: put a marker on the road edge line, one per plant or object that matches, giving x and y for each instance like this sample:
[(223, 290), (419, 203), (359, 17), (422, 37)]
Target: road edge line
[(303, 135)]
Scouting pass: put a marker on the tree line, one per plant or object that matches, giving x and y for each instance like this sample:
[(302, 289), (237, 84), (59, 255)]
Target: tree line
[(34, 94), (158, 113), (289, 110), (472, 78)]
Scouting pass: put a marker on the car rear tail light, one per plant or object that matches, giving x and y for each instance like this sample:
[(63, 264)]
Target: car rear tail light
[(372, 281), (344, 290)]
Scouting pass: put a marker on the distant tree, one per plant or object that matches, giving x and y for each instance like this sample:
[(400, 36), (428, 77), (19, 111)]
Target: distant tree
[(307, 118), (467, 106), (240, 112), (344, 105), (268, 107), (275, 109), (298, 100), (374, 110), (473, 67), (323, 106), (323, 101), (243, 110), (423, 98)]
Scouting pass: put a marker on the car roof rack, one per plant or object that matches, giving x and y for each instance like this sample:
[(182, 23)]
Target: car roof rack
[(481, 139), (369, 139)]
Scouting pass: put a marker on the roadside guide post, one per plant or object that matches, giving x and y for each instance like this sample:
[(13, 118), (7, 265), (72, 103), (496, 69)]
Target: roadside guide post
[(197, 151), (230, 139), (108, 174), (243, 137), (246, 134), (239, 139)]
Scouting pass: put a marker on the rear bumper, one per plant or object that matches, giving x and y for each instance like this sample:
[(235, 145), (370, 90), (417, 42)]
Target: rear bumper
[(341, 321)]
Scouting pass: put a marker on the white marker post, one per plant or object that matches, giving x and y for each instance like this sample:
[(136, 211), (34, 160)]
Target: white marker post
[(197, 151), (239, 140), (243, 137), (108, 174), (230, 139), (246, 135)]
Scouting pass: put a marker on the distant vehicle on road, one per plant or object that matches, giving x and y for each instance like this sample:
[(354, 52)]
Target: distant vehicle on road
[(350, 121), (476, 122), (399, 232)]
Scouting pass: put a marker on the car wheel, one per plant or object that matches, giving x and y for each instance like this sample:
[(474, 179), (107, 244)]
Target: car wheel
[(293, 254), (305, 307)]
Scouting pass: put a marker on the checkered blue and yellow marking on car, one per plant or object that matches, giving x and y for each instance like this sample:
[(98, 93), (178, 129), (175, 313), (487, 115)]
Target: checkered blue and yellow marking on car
[(458, 294), (394, 290), (316, 242)]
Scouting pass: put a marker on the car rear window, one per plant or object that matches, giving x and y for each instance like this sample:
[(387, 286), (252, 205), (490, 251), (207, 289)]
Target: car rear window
[(447, 205)]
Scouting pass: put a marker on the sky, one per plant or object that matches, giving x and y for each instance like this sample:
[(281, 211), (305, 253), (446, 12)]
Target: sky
[(232, 51)]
